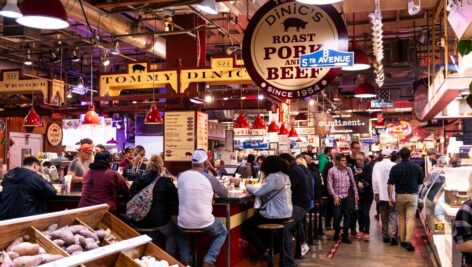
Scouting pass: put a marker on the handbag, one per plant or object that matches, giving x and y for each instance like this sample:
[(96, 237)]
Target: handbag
[(140, 205)]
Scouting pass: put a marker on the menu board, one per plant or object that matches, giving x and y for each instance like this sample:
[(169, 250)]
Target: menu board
[(179, 135), (284, 144), (202, 131)]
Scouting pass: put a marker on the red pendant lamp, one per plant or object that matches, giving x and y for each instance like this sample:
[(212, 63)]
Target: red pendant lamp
[(283, 130), (293, 133), (241, 121), (273, 127), (91, 117), (301, 117), (44, 14), (32, 119), (365, 90), (258, 123), (299, 140), (153, 116)]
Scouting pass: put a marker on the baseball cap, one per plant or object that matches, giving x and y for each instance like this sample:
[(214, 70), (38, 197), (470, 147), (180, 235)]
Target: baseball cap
[(86, 148), (386, 152), (199, 156)]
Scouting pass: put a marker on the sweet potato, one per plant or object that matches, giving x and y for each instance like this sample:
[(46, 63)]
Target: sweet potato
[(50, 257), (27, 261), (26, 249), (59, 242), (52, 227), (77, 252), (5, 258), (100, 234), (88, 233), (14, 243), (75, 229), (68, 237), (90, 246), (73, 248), (42, 250), (13, 255)]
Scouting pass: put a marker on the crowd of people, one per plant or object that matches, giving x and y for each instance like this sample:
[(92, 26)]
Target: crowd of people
[(343, 186)]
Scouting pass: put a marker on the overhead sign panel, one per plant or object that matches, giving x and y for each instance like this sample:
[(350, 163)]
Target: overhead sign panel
[(327, 58)]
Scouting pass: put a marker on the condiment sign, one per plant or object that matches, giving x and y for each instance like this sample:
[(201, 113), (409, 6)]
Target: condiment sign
[(54, 134), (276, 37)]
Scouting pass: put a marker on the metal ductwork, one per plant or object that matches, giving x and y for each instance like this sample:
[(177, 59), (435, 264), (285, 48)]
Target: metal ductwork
[(115, 25)]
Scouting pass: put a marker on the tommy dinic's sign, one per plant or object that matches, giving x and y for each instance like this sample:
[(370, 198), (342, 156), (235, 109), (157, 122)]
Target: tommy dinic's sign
[(224, 70)]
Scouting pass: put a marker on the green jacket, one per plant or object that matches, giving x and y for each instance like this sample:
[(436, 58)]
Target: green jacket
[(323, 160)]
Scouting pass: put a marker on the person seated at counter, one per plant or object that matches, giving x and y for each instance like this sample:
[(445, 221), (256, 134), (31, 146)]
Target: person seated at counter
[(79, 166), (164, 194), (246, 169), (128, 156), (101, 185), (196, 190), (137, 167), (275, 196), (462, 228), (25, 191)]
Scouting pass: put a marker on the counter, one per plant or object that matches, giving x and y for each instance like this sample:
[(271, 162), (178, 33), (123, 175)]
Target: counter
[(231, 210)]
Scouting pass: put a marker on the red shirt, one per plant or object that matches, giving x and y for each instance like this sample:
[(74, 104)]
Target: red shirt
[(103, 187), (124, 162)]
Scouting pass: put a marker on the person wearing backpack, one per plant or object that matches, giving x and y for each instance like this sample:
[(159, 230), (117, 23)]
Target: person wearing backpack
[(159, 191)]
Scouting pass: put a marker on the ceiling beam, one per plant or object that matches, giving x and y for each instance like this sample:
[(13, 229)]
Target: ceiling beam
[(125, 3)]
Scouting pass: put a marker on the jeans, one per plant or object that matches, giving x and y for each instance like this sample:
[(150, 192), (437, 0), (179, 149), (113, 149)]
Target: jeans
[(353, 223), (364, 216), (406, 206), (173, 236), (389, 216), (328, 210), (297, 215), (219, 232), (339, 212)]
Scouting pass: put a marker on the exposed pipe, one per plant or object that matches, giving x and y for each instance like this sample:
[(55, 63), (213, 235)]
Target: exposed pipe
[(115, 25)]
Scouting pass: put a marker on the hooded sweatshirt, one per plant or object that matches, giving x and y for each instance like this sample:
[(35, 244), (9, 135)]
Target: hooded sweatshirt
[(24, 194)]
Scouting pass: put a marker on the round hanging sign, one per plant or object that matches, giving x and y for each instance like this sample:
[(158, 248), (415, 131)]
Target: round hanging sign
[(54, 134), (279, 33)]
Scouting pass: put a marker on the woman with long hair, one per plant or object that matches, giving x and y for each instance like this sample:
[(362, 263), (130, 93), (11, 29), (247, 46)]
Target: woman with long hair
[(164, 194)]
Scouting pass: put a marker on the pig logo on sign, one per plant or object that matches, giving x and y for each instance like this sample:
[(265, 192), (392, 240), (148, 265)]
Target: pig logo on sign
[(295, 23), (139, 67)]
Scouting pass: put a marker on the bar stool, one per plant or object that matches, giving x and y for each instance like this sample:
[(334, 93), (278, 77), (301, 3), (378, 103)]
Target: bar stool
[(152, 232), (193, 233), (273, 228)]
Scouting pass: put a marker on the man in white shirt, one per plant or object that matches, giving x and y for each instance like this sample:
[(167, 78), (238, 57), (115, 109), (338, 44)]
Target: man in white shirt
[(388, 214), (196, 190)]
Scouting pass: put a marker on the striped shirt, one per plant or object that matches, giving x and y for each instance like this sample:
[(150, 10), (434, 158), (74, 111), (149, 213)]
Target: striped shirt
[(339, 182), (463, 227)]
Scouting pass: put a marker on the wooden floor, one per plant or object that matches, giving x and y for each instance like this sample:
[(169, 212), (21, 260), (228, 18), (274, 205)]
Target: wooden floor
[(366, 254)]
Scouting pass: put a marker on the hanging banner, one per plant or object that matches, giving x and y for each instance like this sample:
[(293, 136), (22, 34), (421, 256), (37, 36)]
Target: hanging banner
[(276, 37)]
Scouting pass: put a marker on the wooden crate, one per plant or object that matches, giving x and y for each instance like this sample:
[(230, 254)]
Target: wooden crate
[(129, 246)]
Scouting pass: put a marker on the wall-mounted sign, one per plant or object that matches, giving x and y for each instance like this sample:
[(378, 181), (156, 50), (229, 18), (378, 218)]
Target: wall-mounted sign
[(399, 130), (255, 144), (279, 33), (327, 58), (381, 103), (249, 132), (222, 71), (202, 131), (345, 124), (420, 99), (54, 134), (13, 82)]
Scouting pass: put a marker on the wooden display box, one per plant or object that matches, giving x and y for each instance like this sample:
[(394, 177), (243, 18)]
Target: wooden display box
[(129, 246)]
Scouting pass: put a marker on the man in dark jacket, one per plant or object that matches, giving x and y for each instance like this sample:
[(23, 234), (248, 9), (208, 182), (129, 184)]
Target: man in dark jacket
[(25, 191), (300, 201)]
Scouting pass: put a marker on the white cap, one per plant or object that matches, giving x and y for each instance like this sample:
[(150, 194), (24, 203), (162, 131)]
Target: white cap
[(386, 152), (199, 156)]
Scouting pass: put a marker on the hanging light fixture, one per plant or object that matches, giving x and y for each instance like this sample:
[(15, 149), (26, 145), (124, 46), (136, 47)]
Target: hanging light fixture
[(241, 121), (365, 90), (44, 14), (91, 117), (293, 132), (11, 10), (361, 60), (28, 61), (273, 127), (283, 130), (208, 6), (153, 116), (116, 48), (69, 94), (32, 119), (319, 2), (301, 117), (258, 123), (106, 59), (75, 58)]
